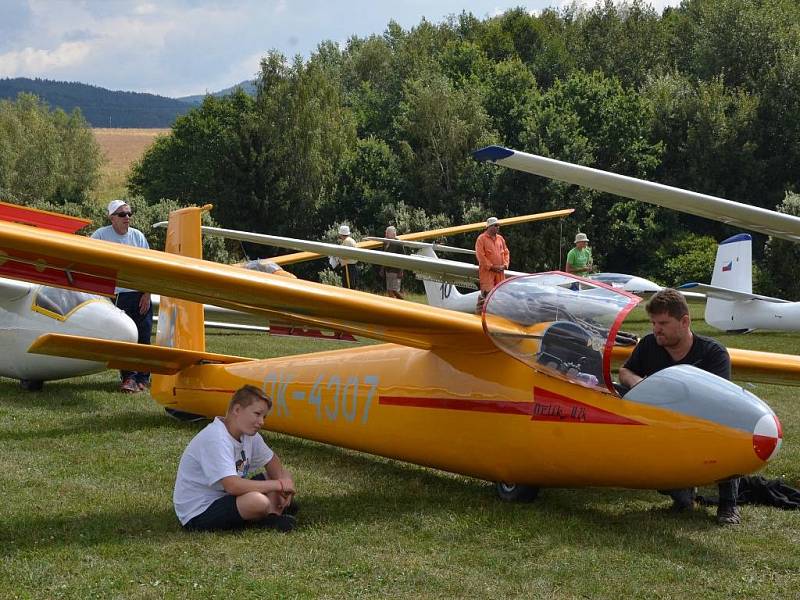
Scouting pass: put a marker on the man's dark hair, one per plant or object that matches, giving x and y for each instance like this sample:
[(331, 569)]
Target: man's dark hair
[(668, 301), (247, 395)]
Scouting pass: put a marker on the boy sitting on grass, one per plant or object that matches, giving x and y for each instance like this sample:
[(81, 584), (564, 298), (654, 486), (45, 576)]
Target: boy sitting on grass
[(212, 491)]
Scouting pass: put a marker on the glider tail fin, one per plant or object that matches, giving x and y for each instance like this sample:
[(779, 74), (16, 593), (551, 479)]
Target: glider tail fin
[(181, 323), (733, 269), (437, 293)]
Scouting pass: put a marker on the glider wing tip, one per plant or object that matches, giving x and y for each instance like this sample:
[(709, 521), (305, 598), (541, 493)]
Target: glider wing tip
[(492, 153)]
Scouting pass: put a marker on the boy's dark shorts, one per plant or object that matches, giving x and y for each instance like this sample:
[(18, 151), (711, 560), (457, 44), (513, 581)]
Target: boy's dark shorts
[(221, 515)]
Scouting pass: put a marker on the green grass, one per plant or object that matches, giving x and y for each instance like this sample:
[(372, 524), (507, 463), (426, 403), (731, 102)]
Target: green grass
[(87, 512)]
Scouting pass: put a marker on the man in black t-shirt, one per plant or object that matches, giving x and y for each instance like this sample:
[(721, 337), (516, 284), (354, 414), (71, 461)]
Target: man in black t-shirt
[(673, 343)]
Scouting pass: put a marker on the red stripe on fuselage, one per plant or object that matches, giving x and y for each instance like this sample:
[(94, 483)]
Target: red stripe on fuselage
[(547, 406), (491, 406)]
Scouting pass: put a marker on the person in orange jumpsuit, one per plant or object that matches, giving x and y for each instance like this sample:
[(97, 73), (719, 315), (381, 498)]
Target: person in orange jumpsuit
[(493, 259)]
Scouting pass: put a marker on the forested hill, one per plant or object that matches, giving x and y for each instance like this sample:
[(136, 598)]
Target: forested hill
[(100, 107)]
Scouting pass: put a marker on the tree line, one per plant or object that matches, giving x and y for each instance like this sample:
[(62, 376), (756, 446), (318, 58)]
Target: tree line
[(380, 130), (100, 107)]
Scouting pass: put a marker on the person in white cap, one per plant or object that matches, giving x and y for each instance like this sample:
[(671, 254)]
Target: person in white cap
[(349, 268), (135, 304), (579, 258), (493, 259)]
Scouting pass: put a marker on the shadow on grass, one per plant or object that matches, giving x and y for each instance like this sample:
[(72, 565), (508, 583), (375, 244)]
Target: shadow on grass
[(106, 528), (76, 393), (92, 423), (591, 517), (377, 492)]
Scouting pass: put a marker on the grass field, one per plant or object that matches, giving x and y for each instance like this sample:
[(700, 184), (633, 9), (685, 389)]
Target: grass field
[(121, 147), (87, 512)]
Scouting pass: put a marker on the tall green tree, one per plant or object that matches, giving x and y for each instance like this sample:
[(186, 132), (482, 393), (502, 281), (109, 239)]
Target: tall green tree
[(46, 156), (437, 126)]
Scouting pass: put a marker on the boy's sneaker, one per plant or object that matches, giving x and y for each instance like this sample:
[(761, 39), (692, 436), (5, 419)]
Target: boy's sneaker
[(292, 509), (728, 515), (282, 523), (129, 386)]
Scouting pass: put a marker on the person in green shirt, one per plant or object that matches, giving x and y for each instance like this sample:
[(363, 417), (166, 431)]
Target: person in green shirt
[(579, 259)]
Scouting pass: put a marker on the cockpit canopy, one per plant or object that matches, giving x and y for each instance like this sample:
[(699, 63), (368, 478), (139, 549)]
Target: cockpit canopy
[(559, 324), (59, 303)]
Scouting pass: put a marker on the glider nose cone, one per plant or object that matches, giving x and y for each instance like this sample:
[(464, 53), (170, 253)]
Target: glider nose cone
[(104, 320), (767, 437)]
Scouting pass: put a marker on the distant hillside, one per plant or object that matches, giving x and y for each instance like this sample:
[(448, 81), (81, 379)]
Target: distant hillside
[(101, 107), (248, 86)]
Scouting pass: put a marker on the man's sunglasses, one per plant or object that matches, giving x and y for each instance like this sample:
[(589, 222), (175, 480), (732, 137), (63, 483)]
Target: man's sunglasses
[(123, 214)]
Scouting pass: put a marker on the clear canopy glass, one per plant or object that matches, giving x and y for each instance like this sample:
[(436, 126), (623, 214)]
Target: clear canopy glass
[(60, 301), (559, 324)]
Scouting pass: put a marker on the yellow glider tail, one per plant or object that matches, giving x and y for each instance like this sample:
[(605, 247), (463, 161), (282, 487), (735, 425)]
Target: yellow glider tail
[(181, 323)]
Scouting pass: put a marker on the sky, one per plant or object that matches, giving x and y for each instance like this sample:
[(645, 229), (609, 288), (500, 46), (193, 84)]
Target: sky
[(183, 47)]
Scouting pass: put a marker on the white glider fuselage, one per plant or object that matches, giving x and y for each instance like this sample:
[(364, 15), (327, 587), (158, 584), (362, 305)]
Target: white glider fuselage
[(732, 305), (28, 311)]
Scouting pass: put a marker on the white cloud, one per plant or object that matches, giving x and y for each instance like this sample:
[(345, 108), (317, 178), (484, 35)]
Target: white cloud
[(146, 8), (32, 60), (182, 47)]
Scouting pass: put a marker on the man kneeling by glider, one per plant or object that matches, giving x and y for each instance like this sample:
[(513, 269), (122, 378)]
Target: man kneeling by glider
[(212, 491)]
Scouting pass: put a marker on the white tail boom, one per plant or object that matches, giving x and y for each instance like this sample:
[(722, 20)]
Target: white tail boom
[(732, 305)]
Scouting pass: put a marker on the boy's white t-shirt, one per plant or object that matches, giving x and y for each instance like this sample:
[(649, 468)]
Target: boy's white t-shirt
[(212, 455)]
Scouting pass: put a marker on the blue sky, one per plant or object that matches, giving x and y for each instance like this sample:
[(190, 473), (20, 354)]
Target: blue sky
[(183, 47)]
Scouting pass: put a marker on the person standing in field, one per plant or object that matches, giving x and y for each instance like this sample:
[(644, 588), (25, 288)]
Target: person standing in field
[(493, 259), (579, 258), (135, 304), (394, 277), (349, 266)]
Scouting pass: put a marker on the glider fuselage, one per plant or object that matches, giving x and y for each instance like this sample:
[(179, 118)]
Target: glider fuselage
[(484, 415)]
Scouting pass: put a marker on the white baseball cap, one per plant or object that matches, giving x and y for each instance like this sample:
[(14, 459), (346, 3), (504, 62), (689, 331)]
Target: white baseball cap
[(344, 230), (491, 221), (115, 205)]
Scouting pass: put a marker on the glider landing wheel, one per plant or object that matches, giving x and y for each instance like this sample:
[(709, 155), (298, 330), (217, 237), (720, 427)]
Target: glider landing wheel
[(185, 417), (31, 385), (513, 492)]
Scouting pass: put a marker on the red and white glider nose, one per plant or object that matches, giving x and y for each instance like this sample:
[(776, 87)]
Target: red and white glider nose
[(767, 437)]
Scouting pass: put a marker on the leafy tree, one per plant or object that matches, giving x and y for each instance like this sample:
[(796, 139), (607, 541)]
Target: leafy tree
[(205, 158), (623, 39), (437, 127), (780, 267), (370, 178), (46, 155), (690, 257), (737, 39), (592, 120)]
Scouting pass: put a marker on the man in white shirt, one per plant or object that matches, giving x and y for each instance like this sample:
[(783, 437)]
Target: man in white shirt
[(135, 304), (349, 268), (212, 491)]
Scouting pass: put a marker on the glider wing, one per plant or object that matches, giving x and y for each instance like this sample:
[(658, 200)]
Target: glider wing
[(69, 261), (741, 215)]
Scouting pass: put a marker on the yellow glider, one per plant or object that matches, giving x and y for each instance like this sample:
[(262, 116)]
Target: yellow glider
[(521, 396)]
